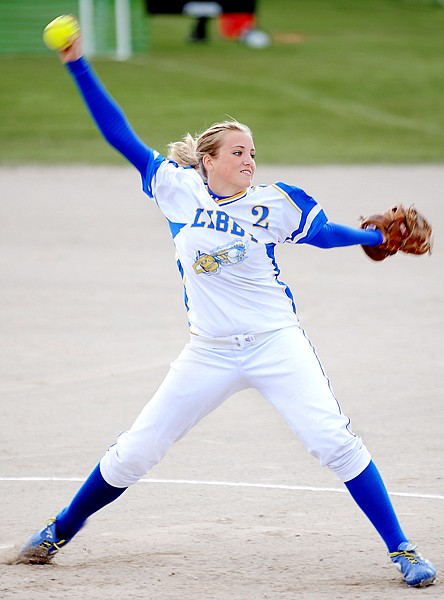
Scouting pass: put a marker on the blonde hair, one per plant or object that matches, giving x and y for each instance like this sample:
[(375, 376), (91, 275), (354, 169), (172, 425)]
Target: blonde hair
[(190, 150)]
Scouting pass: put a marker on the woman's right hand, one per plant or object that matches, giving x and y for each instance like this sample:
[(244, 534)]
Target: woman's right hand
[(74, 52)]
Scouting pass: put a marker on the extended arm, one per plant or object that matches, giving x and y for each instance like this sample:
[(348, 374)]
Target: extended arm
[(334, 235), (106, 113)]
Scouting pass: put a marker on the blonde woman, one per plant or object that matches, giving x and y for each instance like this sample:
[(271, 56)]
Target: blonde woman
[(244, 328)]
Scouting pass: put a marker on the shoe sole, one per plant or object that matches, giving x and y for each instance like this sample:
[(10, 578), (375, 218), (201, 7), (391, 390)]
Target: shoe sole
[(425, 582)]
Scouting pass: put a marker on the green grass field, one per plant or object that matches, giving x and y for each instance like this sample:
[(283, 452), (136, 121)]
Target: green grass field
[(357, 81)]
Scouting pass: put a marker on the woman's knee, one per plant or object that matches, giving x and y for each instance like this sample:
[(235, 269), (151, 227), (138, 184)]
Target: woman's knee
[(126, 462), (349, 460)]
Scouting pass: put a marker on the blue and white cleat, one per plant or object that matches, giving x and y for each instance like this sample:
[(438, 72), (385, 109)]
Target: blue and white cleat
[(43, 545), (417, 571)]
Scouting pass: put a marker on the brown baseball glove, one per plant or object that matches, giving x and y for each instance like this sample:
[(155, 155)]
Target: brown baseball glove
[(404, 230)]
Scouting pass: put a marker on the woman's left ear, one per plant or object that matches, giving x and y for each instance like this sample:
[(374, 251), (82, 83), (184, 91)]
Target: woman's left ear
[(207, 162)]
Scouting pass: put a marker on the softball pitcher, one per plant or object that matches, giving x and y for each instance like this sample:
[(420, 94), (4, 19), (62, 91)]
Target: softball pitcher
[(244, 329)]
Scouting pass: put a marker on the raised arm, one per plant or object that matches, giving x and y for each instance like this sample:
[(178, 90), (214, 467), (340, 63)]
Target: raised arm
[(107, 114)]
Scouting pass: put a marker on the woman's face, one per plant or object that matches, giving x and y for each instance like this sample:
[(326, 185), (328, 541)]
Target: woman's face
[(232, 170)]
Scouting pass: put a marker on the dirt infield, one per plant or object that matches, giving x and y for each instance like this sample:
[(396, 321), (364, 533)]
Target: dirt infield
[(92, 314)]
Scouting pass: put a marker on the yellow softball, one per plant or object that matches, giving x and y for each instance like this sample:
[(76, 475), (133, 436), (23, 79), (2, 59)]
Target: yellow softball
[(60, 33)]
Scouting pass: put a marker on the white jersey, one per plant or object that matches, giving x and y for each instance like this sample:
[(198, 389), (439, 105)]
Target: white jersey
[(225, 248)]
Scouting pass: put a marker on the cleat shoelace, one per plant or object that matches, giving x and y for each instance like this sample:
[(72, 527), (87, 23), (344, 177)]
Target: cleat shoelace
[(412, 557), (51, 544), (48, 545)]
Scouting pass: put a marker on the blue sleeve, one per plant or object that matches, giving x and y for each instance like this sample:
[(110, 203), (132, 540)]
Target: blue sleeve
[(301, 226), (333, 235), (110, 118)]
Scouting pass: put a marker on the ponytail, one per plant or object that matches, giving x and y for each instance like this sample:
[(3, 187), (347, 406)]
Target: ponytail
[(184, 152)]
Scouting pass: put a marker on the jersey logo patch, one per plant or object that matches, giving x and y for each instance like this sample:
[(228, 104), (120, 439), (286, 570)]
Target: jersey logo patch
[(224, 256)]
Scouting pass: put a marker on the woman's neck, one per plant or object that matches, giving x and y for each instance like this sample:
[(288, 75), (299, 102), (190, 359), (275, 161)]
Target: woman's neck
[(219, 192)]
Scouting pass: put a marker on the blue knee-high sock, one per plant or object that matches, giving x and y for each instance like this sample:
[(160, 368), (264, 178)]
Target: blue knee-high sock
[(94, 494), (369, 492)]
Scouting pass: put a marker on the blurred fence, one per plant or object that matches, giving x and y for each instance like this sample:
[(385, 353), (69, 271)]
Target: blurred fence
[(22, 23)]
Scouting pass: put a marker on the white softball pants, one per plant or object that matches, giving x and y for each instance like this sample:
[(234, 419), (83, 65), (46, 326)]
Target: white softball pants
[(282, 365)]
